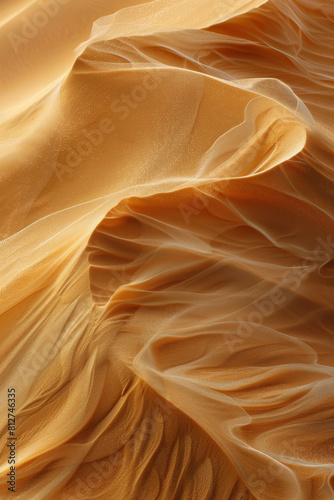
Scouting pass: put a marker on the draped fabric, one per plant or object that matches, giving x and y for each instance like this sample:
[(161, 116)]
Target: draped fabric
[(166, 251)]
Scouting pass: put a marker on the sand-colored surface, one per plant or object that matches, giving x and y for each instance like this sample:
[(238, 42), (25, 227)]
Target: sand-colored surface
[(167, 249)]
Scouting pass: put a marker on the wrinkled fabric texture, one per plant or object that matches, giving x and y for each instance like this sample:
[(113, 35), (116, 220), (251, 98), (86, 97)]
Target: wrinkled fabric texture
[(167, 315)]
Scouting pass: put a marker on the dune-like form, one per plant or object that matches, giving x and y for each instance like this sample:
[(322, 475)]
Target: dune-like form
[(167, 249)]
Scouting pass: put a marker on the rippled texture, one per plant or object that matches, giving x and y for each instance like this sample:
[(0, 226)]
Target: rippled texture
[(167, 248)]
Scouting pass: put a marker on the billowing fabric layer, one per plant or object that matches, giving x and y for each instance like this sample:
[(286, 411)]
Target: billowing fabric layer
[(167, 249)]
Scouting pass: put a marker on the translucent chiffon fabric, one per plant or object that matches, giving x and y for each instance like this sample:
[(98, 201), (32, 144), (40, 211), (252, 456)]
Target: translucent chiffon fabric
[(167, 251)]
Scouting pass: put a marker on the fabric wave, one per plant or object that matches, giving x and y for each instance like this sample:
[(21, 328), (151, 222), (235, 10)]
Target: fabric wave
[(166, 250)]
